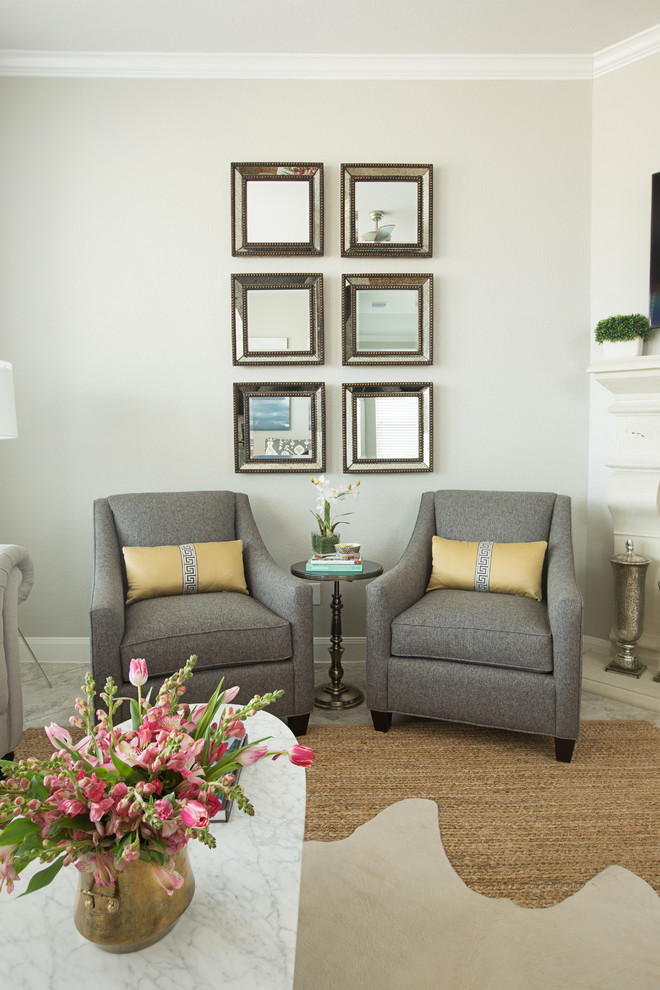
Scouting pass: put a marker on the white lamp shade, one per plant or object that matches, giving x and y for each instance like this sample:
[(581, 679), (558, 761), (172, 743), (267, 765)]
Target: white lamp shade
[(7, 404)]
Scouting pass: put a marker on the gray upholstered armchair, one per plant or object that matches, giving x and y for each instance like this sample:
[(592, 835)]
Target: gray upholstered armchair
[(499, 660), (261, 641), (16, 578)]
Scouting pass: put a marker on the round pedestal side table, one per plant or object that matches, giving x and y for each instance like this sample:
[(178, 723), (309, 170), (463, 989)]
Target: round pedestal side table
[(336, 694)]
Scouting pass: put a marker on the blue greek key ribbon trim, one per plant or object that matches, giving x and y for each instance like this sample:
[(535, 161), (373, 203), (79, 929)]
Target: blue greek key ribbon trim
[(189, 568), (482, 568)]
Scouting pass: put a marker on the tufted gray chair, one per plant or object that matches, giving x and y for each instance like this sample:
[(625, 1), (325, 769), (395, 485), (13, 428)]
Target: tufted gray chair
[(16, 579), (262, 641), (487, 659)]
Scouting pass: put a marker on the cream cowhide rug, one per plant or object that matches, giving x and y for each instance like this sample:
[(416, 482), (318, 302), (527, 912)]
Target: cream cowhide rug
[(384, 908)]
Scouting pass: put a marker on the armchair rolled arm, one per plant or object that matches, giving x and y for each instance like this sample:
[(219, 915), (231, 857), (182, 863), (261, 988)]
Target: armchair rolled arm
[(391, 594), (565, 618), (16, 580), (286, 596), (12, 556), (107, 609)]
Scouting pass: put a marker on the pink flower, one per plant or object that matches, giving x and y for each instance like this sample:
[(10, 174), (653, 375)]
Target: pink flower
[(58, 735), (97, 809), (230, 694), (100, 863), (7, 870), (235, 729), (213, 805), (71, 807), (251, 754), (164, 809), (168, 878), (92, 787), (302, 756), (137, 673), (194, 815), (119, 791)]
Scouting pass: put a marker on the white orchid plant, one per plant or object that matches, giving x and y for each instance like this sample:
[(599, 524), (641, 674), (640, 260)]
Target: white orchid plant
[(328, 495)]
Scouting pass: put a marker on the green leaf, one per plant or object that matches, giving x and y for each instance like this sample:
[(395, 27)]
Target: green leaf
[(37, 790), (44, 877), (209, 711), (207, 745), (124, 768), (17, 831), (154, 855), (31, 846), (79, 823), (135, 713)]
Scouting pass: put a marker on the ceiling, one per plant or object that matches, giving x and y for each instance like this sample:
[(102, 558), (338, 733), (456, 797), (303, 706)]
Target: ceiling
[(542, 27)]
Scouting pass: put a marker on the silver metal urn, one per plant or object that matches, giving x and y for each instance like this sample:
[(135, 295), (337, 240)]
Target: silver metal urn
[(629, 571)]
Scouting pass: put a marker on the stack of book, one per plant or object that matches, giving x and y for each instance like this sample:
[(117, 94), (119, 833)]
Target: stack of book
[(224, 811), (333, 563)]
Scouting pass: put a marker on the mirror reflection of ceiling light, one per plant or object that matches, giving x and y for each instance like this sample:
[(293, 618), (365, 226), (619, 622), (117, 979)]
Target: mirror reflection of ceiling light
[(380, 233)]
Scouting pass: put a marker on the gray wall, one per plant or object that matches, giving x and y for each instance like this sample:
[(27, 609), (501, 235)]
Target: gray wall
[(115, 301)]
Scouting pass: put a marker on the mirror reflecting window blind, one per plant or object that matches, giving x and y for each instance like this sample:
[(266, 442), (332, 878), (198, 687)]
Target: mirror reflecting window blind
[(388, 426)]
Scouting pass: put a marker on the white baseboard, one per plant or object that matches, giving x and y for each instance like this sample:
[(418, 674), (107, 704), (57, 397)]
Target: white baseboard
[(76, 649), (592, 645), (57, 649), (643, 692)]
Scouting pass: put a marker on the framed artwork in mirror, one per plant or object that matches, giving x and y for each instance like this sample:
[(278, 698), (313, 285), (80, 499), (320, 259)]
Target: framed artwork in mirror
[(279, 427), (387, 211), (277, 319), (277, 208), (387, 319), (387, 427)]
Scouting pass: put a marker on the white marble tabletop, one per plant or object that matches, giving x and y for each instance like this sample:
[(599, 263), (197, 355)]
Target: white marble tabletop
[(239, 932)]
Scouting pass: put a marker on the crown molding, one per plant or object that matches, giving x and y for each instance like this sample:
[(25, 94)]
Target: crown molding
[(626, 52), (269, 65), (227, 65)]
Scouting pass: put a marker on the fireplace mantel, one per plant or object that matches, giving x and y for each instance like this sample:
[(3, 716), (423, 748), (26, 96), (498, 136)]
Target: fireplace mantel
[(633, 498)]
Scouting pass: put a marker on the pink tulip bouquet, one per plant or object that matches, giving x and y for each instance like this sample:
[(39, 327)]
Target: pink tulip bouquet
[(122, 794)]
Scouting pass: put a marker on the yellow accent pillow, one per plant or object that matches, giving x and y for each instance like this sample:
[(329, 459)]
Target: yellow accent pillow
[(507, 568), (154, 572)]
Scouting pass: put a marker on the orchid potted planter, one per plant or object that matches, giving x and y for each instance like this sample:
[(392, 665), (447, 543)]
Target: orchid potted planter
[(325, 540)]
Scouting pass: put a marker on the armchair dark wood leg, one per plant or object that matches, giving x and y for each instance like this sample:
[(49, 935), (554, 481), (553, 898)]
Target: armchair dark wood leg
[(382, 720), (298, 724), (564, 749)]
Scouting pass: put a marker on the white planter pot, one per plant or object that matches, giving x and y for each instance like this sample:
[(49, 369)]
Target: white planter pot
[(613, 350)]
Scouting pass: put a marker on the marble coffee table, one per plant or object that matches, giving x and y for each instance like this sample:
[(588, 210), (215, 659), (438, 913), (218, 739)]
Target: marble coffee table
[(239, 932)]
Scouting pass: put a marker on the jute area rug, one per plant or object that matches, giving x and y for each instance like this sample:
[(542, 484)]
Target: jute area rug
[(514, 822)]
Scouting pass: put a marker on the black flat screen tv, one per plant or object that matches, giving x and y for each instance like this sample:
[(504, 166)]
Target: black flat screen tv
[(654, 304)]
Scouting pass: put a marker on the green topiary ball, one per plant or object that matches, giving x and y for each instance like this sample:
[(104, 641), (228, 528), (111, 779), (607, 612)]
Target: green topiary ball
[(623, 328)]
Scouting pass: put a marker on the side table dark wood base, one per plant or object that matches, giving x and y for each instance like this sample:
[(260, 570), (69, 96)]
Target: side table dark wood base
[(346, 697), (336, 695)]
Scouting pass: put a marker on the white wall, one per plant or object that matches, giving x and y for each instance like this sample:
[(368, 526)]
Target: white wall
[(115, 303), (626, 152)]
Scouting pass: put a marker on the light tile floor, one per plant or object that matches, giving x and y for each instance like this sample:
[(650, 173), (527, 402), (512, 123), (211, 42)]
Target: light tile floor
[(43, 704)]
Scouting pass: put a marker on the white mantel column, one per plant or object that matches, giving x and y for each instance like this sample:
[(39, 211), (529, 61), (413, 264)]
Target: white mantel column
[(633, 495)]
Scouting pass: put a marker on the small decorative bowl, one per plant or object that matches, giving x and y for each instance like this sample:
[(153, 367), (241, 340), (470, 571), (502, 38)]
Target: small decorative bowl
[(348, 549)]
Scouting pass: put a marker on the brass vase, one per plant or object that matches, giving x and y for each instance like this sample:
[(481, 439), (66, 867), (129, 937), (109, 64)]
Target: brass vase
[(136, 912)]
